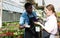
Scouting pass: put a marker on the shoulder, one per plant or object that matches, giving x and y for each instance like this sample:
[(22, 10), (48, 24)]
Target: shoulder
[(34, 13), (23, 14), (53, 19)]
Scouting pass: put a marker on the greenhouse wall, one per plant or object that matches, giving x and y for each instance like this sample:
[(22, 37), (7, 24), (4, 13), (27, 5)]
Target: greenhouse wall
[(7, 16)]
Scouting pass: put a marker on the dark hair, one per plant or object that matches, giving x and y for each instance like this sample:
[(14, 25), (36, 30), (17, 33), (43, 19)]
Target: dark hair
[(27, 5), (51, 7)]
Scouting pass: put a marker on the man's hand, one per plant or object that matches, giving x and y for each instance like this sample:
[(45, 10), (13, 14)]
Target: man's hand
[(27, 26), (21, 27)]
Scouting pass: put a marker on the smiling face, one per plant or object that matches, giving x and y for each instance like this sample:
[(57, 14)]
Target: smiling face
[(48, 12)]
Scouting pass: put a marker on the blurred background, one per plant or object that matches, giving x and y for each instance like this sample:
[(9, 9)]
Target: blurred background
[(11, 10)]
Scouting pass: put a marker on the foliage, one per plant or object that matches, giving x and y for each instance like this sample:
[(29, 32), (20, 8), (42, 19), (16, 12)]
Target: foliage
[(11, 28)]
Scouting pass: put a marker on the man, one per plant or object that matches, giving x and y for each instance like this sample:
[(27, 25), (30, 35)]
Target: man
[(28, 18)]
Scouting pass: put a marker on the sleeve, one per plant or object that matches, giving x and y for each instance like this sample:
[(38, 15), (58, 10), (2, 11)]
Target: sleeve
[(49, 26), (35, 14), (21, 22)]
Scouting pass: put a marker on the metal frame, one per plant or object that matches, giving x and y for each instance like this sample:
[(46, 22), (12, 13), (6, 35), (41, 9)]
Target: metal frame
[(1, 13)]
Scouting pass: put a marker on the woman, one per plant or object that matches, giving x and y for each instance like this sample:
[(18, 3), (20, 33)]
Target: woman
[(50, 26)]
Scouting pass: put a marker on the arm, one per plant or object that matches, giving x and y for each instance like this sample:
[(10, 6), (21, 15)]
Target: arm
[(48, 29), (21, 22)]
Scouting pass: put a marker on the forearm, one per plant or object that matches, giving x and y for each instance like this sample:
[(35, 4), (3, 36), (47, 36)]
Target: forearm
[(42, 26), (46, 29), (21, 26)]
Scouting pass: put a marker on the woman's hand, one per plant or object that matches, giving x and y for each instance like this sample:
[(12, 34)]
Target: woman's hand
[(39, 24)]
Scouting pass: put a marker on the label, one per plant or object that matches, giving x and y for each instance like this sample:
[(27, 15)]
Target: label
[(37, 28)]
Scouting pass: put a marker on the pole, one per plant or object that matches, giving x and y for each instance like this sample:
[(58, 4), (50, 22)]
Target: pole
[(43, 14), (0, 13)]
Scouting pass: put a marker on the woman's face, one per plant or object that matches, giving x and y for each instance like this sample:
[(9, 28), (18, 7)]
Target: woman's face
[(48, 12)]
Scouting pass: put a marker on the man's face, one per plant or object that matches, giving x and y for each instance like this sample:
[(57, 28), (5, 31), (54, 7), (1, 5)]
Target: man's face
[(29, 9)]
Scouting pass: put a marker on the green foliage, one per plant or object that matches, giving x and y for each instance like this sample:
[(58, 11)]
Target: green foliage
[(58, 14), (4, 24), (12, 27)]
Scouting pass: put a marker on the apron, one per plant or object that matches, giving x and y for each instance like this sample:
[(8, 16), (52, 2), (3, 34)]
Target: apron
[(30, 32), (45, 34)]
